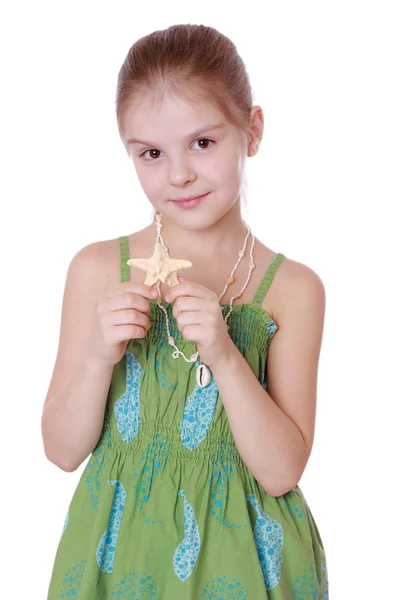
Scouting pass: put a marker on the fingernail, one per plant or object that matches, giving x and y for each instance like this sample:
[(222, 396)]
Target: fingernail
[(153, 293)]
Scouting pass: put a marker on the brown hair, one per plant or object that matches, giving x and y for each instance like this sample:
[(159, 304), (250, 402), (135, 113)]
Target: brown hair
[(165, 61)]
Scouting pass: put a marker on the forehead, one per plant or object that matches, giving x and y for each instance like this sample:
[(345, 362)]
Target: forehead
[(155, 117)]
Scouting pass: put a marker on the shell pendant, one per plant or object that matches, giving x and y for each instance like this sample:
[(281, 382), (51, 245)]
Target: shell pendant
[(203, 376)]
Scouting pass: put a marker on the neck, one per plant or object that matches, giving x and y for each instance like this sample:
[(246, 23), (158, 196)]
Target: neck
[(225, 237)]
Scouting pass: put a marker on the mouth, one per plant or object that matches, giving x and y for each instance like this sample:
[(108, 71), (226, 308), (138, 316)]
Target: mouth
[(190, 201)]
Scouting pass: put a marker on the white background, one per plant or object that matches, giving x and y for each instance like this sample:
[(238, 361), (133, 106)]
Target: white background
[(323, 190)]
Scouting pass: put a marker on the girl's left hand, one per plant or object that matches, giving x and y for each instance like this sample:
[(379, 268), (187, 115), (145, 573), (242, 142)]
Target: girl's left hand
[(199, 319)]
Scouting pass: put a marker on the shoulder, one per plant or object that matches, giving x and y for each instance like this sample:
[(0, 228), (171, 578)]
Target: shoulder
[(301, 289), (301, 284), (100, 262), (297, 288), (97, 262)]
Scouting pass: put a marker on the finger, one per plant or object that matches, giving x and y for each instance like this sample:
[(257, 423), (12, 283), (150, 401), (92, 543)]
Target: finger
[(184, 303), (130, 317), (128, 300), (189, 318), (187, 288), (192, 333), (136, 288)]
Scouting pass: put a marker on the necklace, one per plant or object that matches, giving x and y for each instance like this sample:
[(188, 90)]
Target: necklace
[(161, 268), (203, 375)]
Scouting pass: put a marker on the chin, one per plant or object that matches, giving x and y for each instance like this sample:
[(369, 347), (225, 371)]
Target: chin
[(196, 220)]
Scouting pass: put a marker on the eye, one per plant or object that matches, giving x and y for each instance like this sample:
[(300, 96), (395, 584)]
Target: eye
[(153, 152), (204, 140)]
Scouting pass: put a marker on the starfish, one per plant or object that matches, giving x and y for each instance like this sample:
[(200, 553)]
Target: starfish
[(160, 267)]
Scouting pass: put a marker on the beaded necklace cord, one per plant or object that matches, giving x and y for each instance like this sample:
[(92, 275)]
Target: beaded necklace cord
[(203, 375)]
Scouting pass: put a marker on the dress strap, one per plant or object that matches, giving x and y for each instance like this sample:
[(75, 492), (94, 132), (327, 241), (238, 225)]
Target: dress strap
[(268, 277), (124, 253)]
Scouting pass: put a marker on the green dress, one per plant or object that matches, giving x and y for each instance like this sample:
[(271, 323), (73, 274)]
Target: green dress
[(165, 508)]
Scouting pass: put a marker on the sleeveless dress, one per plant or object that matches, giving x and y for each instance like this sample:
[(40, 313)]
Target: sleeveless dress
[(165, 508)]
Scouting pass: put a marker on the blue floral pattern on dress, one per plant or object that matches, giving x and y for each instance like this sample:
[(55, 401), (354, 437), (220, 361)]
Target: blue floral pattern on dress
[(326, 582), (306, 586), (127, 407), (268, 537), (105, 553), (223, 469), (288, 502), (93, 473), (72, 580), (186, 554), (262, 378), (222, 588), (158, 361), (135, 587), (198, 413), (150, 464)]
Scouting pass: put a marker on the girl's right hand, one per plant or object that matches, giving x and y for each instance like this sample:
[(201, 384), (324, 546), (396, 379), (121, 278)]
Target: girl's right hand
[(121, 315)]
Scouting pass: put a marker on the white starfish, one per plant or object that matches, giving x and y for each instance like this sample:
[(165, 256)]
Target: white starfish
[(160, 267)]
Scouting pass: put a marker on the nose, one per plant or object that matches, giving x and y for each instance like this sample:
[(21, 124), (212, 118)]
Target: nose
[(181, 175)]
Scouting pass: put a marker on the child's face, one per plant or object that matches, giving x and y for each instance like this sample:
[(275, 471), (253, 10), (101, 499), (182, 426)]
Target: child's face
[(172, 163)]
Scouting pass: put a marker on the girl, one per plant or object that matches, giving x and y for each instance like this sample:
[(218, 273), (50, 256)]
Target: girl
[(199, 416)]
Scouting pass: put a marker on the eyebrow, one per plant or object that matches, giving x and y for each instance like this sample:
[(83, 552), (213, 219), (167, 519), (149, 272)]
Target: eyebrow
[(192, 135)]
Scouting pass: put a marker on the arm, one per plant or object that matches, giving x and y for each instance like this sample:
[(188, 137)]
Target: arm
[(274, 431), (73, 411)]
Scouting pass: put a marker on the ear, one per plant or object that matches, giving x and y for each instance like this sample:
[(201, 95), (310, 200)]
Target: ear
[(256, 130)]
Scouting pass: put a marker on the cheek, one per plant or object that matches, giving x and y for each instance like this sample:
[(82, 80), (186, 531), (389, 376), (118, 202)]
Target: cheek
[(151, 181), (231, 177), (228, 169)]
